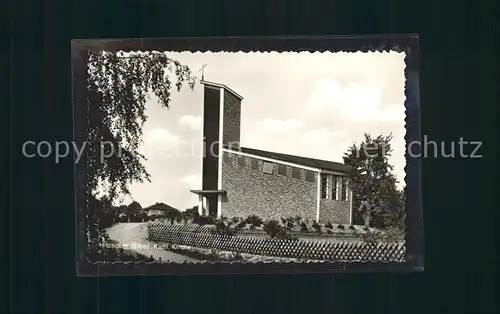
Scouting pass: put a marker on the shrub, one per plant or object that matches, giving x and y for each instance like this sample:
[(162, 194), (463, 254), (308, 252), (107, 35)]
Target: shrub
[(290, 223), (272, 228), (204, 220), (371, 237), (283, 234), (220, 225), (393, 235), (254, 220), (242, 224), (303, 227), (341, 227), (366, 229), (377, 236), (192, 211), (277, 231), (185, 218), (226, 229), (352, 227), (329, 225), (317, 226), (329, 231)]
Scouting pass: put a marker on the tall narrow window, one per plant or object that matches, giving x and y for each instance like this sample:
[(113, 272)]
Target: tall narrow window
[(324, 186), (295, 173), (268, 167), (336, 188), (345, 190)]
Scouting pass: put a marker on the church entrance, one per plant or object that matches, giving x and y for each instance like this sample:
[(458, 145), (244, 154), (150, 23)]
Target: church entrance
[(208, 201), (211, 203)]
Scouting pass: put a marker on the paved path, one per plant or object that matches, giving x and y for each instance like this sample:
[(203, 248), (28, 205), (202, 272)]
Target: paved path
[(134, 235)]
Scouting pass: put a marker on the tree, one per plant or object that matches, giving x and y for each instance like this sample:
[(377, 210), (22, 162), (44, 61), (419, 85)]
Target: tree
[(376, 199), (394, 215), (118, 87), (172, 215), (189, 214), (134, 207), (107, 214)]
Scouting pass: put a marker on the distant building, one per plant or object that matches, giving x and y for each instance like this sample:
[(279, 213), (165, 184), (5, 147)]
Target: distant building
[(159, 209), (239, 181)]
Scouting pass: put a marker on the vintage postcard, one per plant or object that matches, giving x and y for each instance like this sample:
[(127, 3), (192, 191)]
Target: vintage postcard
[(245, 155)]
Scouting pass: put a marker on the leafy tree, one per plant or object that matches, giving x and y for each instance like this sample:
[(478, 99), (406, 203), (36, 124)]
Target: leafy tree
[(393, 205), (118, 87), (189, 214), (134, 207), (107, 214), (172, 215), (376, 199)]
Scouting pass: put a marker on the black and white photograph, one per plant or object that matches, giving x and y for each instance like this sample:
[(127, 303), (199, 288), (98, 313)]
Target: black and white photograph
[(232, 157)]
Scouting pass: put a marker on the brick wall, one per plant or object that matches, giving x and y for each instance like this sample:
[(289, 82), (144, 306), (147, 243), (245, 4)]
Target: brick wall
[(332, 210), (336, 212), (251, 191), (232, 119)]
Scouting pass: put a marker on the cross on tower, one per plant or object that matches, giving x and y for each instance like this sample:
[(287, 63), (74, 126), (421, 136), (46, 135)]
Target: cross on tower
[(202, 70)]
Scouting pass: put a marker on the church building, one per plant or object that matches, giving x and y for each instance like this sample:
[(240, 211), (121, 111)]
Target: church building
[(240, 181)]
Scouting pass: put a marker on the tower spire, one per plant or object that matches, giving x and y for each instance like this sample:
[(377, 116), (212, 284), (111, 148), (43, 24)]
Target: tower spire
[(202, 70)]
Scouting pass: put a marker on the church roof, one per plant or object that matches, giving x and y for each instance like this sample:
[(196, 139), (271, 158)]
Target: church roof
[(305, 161), (222, 86)]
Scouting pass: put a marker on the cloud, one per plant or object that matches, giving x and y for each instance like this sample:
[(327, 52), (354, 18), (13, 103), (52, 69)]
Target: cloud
[(192, 122), (192, 181), (320, 136), (277, 125), (351, 102), (336, 115), (160, 135), (160, 143)]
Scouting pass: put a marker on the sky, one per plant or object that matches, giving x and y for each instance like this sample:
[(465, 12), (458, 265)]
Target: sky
[(307, 104)]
